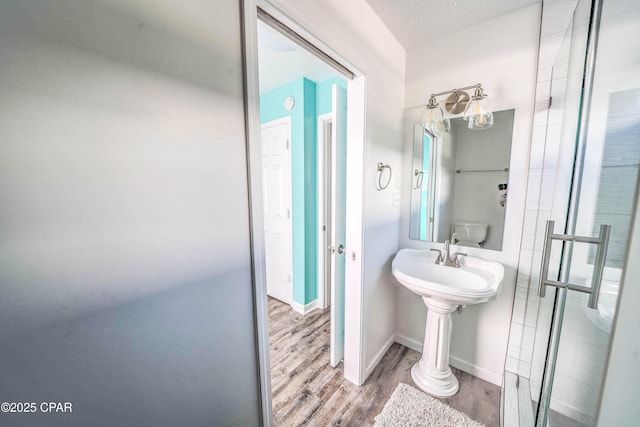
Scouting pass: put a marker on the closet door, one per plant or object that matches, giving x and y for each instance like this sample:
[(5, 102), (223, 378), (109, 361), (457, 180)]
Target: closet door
[(125, 260)]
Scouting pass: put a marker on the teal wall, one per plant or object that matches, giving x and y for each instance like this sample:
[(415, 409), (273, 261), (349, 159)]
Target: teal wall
[(323, 94), (311, 191), (311, 100)]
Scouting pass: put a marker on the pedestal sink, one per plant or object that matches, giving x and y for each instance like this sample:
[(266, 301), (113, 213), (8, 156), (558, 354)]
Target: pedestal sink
[(443, 289)]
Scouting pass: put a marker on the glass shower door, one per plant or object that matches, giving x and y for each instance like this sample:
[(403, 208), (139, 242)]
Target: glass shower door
[(604, 97)]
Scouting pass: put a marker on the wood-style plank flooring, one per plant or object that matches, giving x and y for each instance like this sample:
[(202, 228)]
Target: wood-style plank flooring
[(308, 391)]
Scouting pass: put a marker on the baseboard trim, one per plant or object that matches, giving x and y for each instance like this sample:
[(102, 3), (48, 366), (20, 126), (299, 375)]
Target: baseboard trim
[(476, 371), (456, 362), (378, 357), (305, 309), (409, 342)]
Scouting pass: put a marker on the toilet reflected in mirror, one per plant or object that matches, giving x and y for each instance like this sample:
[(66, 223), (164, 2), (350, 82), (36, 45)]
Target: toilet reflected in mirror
[(471, 235), (459, 183)]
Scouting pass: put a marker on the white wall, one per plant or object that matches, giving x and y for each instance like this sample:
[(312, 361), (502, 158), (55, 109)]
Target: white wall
[(354, 32), (124, 229), (501, 54)]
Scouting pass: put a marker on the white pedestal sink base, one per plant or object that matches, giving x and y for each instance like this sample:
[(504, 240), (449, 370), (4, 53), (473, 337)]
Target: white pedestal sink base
[(444, 385), (432, 373)]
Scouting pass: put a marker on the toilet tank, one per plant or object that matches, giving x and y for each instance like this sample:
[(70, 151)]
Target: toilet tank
[(471, 232)]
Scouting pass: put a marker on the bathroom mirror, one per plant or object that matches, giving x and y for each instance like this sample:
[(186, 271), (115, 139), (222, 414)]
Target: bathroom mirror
[(459, 183)]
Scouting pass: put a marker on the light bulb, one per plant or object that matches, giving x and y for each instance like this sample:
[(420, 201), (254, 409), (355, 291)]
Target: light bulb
[(478, 111)]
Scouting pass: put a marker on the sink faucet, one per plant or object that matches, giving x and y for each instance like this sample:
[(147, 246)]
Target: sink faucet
[(444, 257)]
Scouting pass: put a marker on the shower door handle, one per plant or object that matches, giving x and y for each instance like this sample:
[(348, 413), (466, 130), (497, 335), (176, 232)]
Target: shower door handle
[(602, 241)]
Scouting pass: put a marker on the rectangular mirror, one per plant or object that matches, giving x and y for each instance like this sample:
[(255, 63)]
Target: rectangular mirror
[(459, 183)]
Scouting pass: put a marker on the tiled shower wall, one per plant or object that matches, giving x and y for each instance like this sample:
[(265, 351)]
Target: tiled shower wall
[(546, 182)]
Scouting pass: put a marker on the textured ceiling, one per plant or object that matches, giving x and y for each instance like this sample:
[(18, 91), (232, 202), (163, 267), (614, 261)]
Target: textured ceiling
[(414, 22), (282, 61)]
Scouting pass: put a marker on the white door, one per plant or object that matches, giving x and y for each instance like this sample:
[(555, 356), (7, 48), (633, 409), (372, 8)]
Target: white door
[(338, 201), (276, 179)]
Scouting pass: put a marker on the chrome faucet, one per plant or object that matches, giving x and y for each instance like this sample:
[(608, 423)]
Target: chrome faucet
[(444, 257)]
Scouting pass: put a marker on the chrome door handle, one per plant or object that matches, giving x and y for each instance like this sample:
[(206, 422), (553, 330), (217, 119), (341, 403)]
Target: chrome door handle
[(340, 249)]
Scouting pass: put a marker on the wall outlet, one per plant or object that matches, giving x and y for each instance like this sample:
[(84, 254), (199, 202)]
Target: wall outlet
[(396, 199)]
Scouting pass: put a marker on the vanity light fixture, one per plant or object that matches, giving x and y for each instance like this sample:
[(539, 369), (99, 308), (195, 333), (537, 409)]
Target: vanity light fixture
[(477, 110)]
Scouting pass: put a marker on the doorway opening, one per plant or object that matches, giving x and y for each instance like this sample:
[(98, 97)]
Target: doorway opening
[(303, 171)]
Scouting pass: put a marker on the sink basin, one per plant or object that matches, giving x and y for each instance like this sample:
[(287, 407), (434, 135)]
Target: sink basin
[(443, 289), (476, 280)]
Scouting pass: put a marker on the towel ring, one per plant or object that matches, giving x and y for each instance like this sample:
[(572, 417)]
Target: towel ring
[(381, 168)]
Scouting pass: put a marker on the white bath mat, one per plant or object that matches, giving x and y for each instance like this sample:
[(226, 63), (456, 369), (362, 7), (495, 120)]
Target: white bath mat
[(410, 407)]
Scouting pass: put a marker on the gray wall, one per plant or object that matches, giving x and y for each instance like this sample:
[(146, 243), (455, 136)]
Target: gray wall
[(476, 195), (124, 241), (445, 197)]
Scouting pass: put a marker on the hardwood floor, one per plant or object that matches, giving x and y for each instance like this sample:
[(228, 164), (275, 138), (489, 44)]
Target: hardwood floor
[(308, 391)]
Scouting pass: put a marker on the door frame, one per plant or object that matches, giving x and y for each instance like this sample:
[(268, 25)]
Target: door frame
[(284, 120), (249, 28), (354, 364), (324, 291)]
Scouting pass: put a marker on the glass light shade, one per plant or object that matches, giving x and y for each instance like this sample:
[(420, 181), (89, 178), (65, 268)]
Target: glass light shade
[(433, 120), (480, 121), (479, 113)]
